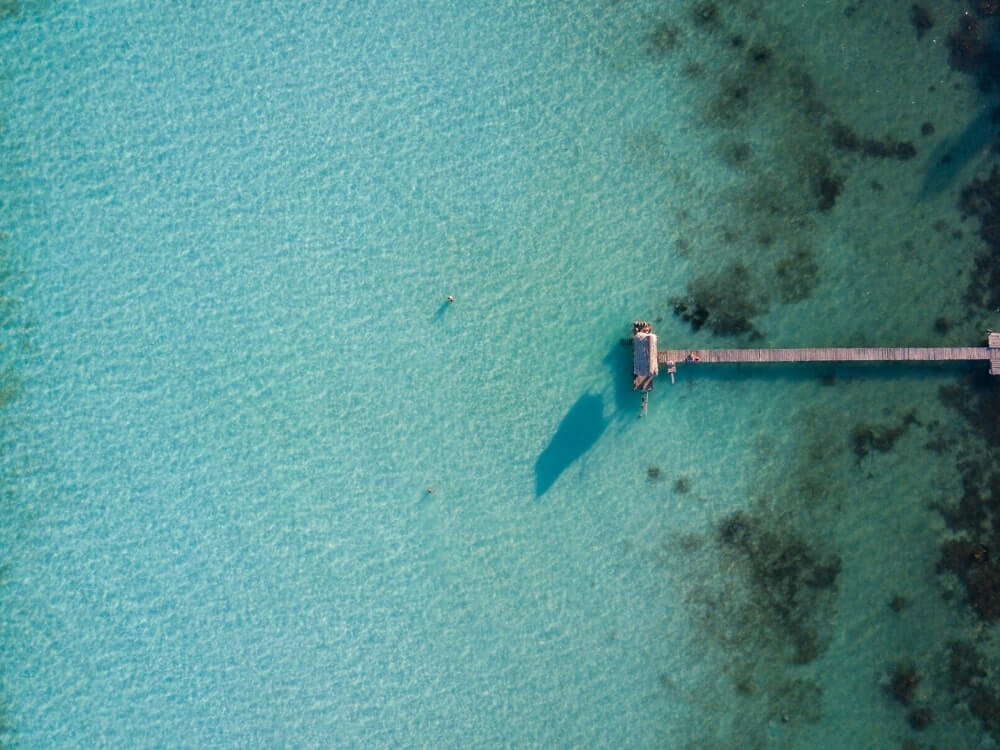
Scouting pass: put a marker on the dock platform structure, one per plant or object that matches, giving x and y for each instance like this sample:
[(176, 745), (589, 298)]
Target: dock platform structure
[(645, 359), (645, 362), (671, 358)]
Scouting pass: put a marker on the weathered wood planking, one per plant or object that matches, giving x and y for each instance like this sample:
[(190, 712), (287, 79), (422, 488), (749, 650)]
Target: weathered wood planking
[(642, 382), (645, 363), (833, 354)]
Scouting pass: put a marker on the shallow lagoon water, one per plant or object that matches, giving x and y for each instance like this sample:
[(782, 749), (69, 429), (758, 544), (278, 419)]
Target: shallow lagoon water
[(231, 236)]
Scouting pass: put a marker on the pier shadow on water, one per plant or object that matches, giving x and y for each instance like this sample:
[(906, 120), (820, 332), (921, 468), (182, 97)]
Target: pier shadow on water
[(827, 373), (953, 154), (578, 431), (619, 363)]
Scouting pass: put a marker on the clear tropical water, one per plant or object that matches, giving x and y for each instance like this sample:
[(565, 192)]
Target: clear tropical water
[(231, 376)]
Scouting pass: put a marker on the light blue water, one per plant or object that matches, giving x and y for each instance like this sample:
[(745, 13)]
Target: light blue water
[(234, 231)]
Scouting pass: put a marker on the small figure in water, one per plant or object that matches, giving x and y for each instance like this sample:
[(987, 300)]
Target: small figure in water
[(451, 298), (430, 490)]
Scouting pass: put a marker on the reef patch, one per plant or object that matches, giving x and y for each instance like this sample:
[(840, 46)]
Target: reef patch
[(796, 275), (981, 199), (724, 302), (791, 584), (663, 39), (973, 681), (866, 438), (844, 138)]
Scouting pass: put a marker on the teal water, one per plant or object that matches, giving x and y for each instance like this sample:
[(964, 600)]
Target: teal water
[(232, 374)]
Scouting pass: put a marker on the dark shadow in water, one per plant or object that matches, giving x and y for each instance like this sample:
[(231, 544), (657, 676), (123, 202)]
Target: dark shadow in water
[(441, 310), (953, 154), (619, 362), (828, 374), (577, 433), (975, 49)]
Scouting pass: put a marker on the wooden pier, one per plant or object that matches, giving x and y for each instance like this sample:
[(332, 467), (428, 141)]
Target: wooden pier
[(645, 360), (645, 348), (842, 354)]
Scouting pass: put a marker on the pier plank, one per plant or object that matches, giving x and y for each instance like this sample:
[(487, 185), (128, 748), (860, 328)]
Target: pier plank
[(826, 354)]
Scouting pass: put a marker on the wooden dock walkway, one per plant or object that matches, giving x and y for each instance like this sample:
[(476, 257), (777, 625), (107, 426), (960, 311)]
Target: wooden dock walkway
[(835, 354), (647, 357)]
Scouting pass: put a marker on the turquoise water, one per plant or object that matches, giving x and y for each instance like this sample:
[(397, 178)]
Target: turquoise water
[(232, 375)]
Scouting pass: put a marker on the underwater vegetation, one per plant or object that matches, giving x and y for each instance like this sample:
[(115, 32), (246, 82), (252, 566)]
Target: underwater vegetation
[(977, 400), (824, 184), (785, 183), (782, 186), (724, 302), (727, 300), (972, 45), (903, 681), (898, 603), (770, 611), (765, 589), (844, 138), (901, 687), (705, 15), (777, 601), (663, 39), (981, 199), (969, 675), (969, 551), (796, 275), (970, 561), (866, 438), (974, 683), (736, 153), (967, 44), (920, 717), (791, 584)]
